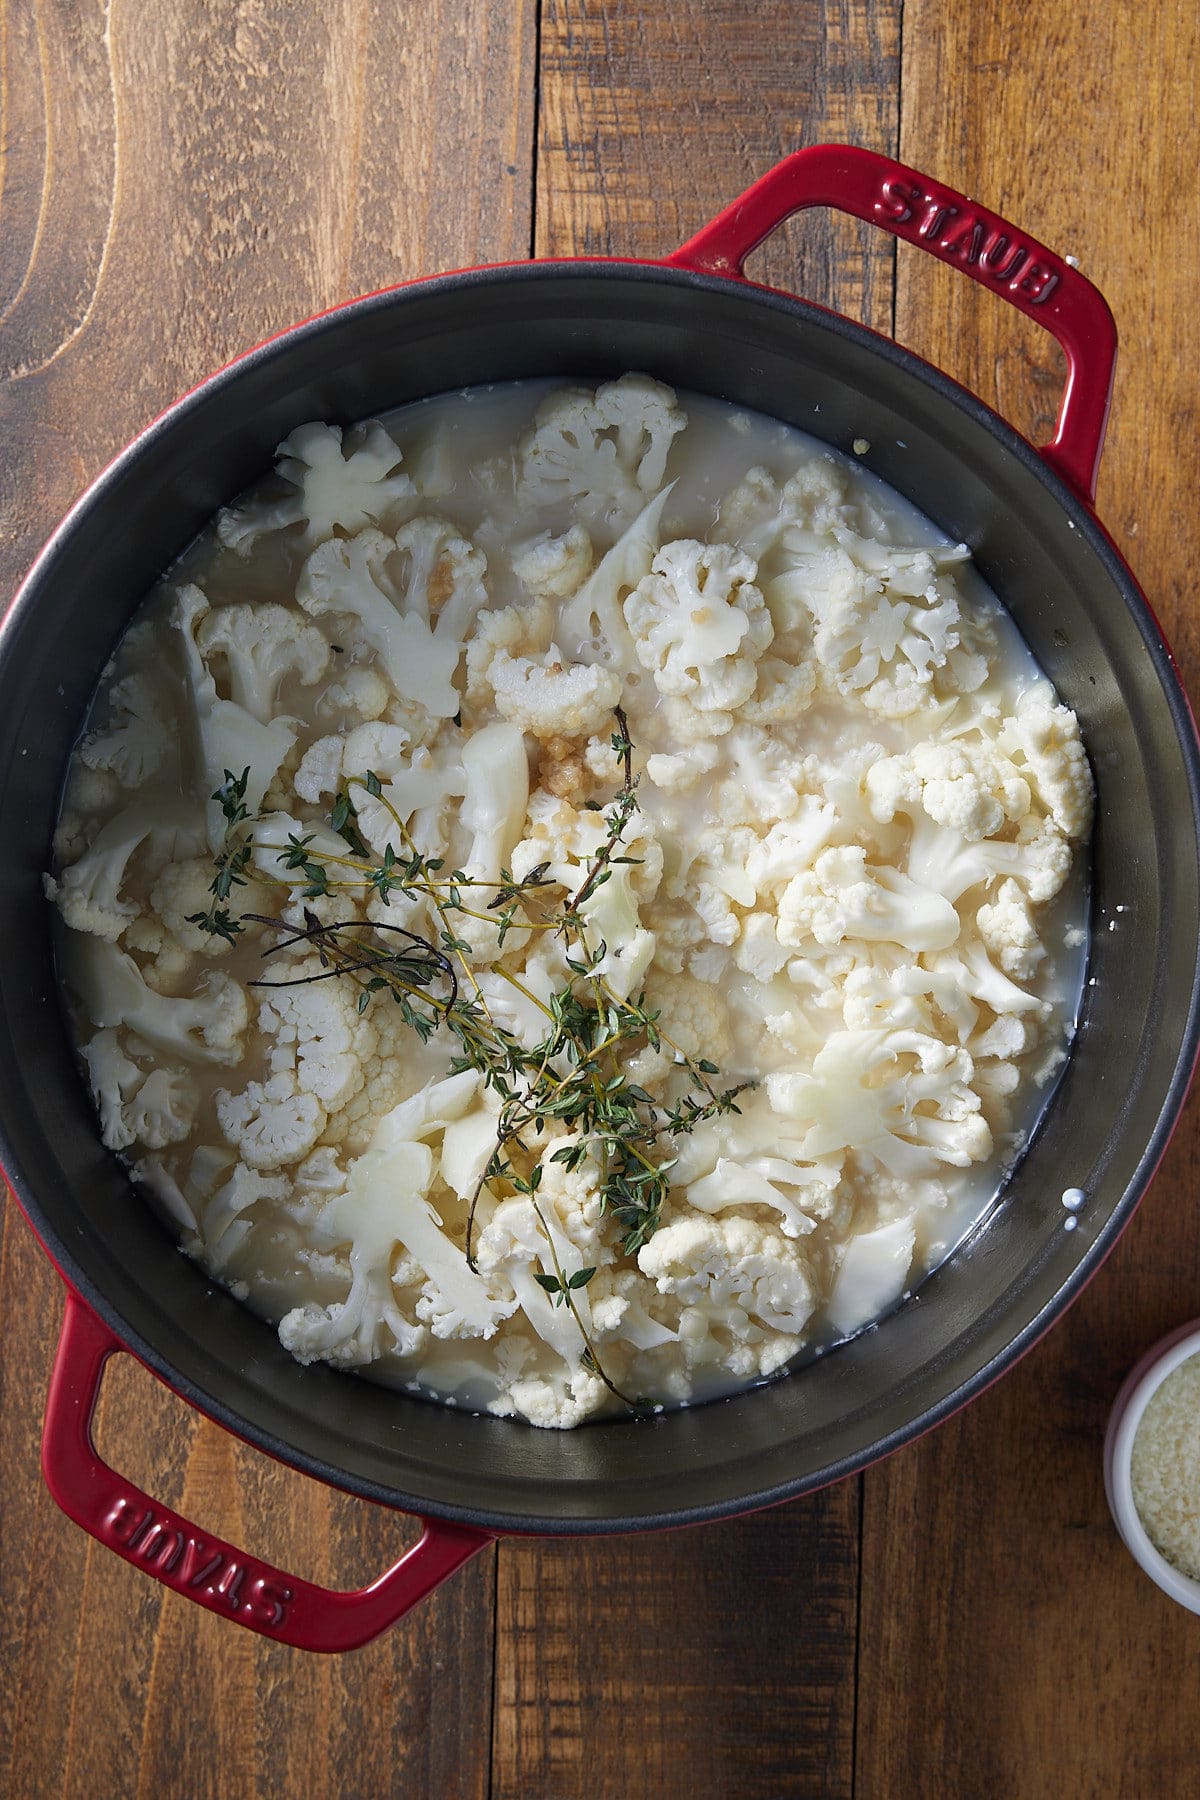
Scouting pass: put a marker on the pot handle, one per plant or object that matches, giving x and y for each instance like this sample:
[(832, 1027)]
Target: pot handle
[(1042, 285), (196, 1564)]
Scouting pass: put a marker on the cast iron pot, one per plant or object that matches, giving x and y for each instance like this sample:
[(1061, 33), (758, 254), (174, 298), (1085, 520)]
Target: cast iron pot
[(691, 320)]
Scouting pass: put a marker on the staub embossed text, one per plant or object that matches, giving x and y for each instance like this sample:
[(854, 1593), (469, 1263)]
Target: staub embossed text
[(974, 239), (192, 1564)]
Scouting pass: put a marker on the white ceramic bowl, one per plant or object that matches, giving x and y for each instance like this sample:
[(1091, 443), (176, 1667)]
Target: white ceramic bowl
[(1130, 1404)]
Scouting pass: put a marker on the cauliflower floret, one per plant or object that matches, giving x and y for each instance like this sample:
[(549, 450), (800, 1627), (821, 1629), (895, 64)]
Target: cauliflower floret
[(951, 788), (751, 514), (732, 1262), (552, 568), (88, 893), (358, 693), (184, 889), (699, 625), (152, 1110), (224, 1226), (260, 646), (692, 1015), (756, 1181), (385, 1204), (941, 860), (1045, 737), (909, 996), (759, 952), (414, 597), (270, 1123), (517, 630), (762, 779), (681, 768), (369, 1322), (555, 1402), (871, 1275), (277, 838), (89, 793), (317, 1034), (515, 1245), (603, 451), (711, 877), (1008, 930), (337, 484), (232, 740), (550, 699), (206, 1028), (568, 838), (843, 897), (896, 1098), (493, 808), (566, 841), (134, 743), (592, 622), (165, 965), (792, 845), (887, 626), (755, 512), (320, 769), (783, 692), (1005, 1039), (969, 972)]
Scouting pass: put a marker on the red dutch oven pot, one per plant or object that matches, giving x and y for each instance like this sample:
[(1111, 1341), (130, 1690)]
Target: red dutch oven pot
[(692, 320)]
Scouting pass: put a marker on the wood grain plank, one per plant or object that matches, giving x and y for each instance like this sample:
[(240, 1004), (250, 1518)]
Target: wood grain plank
[(714, 1662), (653, 119), (59, 96), (178, 181), (710, 1662), (1009, 1643)]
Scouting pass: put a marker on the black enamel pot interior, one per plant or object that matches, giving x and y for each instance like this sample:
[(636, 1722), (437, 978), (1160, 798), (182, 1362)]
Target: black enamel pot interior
[(1078, 607)]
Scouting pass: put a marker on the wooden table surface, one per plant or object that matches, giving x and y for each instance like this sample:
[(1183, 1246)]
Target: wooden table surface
[(181, 178)]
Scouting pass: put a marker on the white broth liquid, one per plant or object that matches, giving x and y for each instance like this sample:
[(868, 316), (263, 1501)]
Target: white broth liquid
[(464, 457)]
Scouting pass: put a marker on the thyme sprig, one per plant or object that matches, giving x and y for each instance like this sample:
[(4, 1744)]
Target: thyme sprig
[(574, 1079), (562, 1288), (232, 859)]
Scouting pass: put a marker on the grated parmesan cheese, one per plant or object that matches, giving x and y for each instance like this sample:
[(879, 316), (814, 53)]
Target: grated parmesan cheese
[(1165, 1468)]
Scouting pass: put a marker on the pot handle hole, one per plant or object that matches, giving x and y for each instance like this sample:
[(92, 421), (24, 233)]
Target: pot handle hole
[(196, 1564), (960, 232)]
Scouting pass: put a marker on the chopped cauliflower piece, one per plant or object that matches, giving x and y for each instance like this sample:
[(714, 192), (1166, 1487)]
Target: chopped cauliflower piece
[(553, 568), (548, 698), (605, 451), (135, 742), (232, 741), (699, 626), (153, 1110), (735, 1262), (206, 1028), (337, 483), (271, 1123), (872, 1275), (362, 693), (260, 646), (413, 596), (865, 1094), (89, 892), (842, 896), (1045, 737)]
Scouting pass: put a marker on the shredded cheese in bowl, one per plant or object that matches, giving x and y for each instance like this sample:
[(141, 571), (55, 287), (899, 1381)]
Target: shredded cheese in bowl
[(571, 897), (1165, 1468)]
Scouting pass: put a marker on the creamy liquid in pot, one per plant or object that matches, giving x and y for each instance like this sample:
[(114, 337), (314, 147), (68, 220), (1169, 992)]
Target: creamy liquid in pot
[(458, 449)]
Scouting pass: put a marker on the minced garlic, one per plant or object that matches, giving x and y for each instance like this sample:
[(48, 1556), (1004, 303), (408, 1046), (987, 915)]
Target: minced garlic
[(1165, 1468)]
